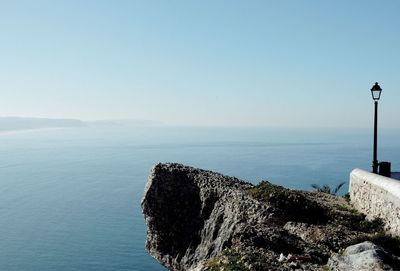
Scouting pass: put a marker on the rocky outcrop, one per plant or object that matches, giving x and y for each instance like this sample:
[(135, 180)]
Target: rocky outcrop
[(202, 220), (192, 214)]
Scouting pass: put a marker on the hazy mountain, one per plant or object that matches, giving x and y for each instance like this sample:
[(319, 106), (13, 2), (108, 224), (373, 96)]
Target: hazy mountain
[(125, 122), (25, 123), (22, 123)]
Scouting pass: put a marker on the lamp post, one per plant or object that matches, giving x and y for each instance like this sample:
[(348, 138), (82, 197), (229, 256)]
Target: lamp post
[(376, 95)]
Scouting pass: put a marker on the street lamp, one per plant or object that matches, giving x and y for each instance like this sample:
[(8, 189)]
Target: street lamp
[(376, 95)]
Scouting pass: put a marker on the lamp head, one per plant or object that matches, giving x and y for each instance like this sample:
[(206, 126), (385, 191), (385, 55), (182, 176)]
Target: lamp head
[(376, 92)]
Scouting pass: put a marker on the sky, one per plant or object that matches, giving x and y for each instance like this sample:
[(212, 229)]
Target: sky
[(264, 63)]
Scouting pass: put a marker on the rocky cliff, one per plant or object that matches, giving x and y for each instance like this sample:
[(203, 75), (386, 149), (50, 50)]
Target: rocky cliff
[(202, 220)]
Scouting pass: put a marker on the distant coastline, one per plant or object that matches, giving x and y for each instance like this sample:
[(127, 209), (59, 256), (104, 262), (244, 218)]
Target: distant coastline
[(22, 124), (23, 131), (13, 125)]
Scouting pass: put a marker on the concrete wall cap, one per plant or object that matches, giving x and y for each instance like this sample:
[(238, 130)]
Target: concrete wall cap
[(388, 184)]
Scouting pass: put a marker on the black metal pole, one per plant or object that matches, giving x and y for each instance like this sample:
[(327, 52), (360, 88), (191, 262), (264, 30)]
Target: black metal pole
[(375, 159)]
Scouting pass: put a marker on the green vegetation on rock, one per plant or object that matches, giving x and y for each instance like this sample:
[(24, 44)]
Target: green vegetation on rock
[(264, 190), (347, 209), (375, 225), (230, 260), (327, 189)]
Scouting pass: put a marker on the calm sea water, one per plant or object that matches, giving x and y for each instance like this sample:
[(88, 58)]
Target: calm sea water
[(70, 198)]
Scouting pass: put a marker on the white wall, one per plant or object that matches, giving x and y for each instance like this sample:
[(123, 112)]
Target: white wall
[(376, 196)]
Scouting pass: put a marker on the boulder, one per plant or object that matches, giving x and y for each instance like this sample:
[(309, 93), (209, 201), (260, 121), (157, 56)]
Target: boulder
[(364, 256)]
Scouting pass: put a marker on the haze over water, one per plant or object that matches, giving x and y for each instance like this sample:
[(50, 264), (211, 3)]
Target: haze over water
[(70, 198)]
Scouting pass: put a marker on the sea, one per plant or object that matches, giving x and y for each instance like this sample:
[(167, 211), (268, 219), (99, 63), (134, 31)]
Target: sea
[(70, 198)]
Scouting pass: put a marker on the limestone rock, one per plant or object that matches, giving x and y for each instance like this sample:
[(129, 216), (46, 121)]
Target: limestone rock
[(365, 256), (202, 220), (192, 214)]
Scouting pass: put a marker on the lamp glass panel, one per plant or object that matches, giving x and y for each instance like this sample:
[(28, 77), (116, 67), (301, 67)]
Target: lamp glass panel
[(376, 94)]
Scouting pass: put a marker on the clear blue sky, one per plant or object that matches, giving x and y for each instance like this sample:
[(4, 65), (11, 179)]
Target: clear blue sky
[(258, 63)]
